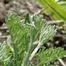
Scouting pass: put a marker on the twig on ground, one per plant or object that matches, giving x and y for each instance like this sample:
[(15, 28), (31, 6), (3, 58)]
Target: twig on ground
[(61, 61)]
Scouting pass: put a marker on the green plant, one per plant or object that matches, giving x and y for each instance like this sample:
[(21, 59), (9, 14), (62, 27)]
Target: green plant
[(24, 35)]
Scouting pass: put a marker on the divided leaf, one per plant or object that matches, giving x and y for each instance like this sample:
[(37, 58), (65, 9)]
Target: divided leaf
[(19, 36), (51, 54)]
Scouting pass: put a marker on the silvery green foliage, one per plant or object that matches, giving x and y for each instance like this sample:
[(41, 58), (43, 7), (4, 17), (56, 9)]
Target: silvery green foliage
[(23, 35), (51, 54)]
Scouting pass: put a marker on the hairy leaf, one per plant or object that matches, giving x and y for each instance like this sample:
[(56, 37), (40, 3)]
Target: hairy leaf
[(51, 54)]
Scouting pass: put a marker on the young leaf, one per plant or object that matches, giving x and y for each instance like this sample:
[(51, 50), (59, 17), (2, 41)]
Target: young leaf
[(19, 36), (51, 54)]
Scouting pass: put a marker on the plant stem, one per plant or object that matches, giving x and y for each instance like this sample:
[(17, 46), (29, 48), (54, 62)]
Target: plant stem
[(35, 51)]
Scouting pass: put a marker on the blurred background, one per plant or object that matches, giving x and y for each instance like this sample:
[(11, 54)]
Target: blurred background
[(21, 7)]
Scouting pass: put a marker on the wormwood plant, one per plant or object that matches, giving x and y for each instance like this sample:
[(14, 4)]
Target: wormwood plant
[(24, 35)]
